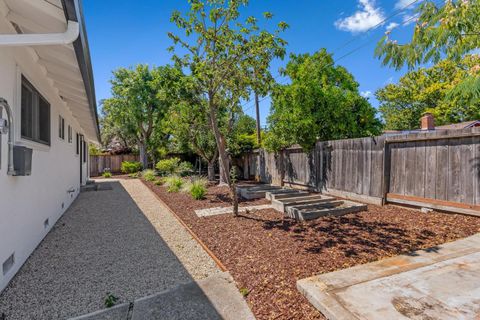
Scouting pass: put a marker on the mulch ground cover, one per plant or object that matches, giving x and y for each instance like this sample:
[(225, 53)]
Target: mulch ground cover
[(266, 254)]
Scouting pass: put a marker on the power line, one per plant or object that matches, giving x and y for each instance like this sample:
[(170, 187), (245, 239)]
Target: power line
[(348, 42)]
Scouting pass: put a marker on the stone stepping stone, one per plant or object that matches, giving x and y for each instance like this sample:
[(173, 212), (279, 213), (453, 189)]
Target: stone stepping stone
[(228, 210)]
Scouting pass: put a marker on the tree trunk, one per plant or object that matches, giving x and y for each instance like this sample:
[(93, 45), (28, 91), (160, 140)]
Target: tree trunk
[(211, 170), (257, 110), (223, 173), (222, 152), (143, 154)]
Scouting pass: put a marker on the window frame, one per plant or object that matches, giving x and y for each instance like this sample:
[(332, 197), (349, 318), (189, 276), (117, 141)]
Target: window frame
[(61, 127), (70, 134), (36, 126), (77, 144)]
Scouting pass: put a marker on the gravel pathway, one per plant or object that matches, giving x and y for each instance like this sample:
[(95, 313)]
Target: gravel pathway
[(120, 241)]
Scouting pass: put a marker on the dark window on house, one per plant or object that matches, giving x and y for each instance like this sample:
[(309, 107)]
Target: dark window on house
[(78, 143), (35, 117), (61, 127), (70, 135), (84, 151)]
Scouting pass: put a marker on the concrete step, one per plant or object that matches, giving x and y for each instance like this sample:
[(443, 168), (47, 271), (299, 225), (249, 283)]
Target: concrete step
[(282, 204), (294, 211), (215, 297), (256, 192), (345, 207), (284, 193)]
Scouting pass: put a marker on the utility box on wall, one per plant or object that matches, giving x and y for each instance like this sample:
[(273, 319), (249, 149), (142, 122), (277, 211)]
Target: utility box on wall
[(22, 160)]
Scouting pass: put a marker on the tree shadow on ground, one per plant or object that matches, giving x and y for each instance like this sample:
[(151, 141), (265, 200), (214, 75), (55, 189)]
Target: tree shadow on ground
[(352, 234)]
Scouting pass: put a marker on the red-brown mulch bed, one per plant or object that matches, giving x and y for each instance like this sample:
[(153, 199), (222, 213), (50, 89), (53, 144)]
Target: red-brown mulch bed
[(267, 254)]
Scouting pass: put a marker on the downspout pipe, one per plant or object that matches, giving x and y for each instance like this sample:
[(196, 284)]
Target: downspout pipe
[(6, 106), (42, 39)]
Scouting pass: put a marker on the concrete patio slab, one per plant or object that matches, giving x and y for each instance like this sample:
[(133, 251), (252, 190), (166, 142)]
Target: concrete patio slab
[(438, 283), (213, 298)]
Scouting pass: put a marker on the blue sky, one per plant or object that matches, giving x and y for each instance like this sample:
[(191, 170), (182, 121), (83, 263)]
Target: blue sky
[(127, 32)]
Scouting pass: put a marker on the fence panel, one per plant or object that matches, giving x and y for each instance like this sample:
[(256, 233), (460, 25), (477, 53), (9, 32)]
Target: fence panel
[(98, 164), (441, 167)]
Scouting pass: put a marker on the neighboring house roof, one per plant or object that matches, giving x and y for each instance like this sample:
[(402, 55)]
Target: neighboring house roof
[(461, 125), (68, 67), (453, 126)]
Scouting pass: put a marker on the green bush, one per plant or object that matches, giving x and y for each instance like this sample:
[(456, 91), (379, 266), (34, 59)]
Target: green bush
[(197, 188), (198, 192), (134, 175), (149, 175), (185, 168), (107, 174), (167, 166), (131, 166), (173, 183), (158, 182)]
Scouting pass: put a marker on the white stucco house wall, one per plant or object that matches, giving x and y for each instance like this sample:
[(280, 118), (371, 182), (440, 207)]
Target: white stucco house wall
[(46, 80)]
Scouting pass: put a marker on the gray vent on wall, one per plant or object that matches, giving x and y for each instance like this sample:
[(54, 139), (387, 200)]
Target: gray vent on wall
[(8, 264)]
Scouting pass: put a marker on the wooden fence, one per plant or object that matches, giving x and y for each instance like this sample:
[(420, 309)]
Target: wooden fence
[(98, 164), (438, 169)]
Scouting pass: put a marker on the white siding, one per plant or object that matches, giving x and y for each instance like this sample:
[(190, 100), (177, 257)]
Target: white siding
[(26, 202)]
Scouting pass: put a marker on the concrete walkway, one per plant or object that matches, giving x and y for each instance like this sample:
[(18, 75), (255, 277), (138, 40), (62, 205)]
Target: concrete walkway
[(120, 241), (213, 298), (438, 283)]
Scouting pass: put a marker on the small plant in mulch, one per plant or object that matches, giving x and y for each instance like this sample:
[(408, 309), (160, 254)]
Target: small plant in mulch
[(244, 292), (110, 300), (197, 188), (149, 175), (173, 183), (158, 182)]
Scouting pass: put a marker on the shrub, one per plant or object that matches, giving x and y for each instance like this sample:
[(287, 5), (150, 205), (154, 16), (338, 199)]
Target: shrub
[(197, 188), (158, 182), (173, 183), (198, 191), (185, 168), (134, 175), (107, 174), (131, 166), (168, 166), (149, 175)]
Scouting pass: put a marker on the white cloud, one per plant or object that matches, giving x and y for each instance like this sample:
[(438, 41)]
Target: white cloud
[(391, 26), (409, 19), (366, 94), (404, 3), (363, 19)]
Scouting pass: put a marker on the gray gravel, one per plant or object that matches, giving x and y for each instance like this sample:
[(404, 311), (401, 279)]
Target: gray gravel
[(120, 241)]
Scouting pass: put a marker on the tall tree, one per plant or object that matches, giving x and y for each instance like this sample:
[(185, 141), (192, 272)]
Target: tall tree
[(219, 47), (449, 30), (427, 90), (141, 97), (189, 124), (262, 81), (321, 102)]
